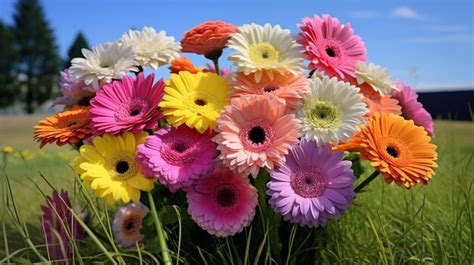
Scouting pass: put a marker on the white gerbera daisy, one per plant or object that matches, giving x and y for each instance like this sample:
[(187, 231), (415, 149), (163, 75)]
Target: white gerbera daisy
[(332, 111), (152, 49), (259, 49), (374, 75), (127, 224), (104, 63)]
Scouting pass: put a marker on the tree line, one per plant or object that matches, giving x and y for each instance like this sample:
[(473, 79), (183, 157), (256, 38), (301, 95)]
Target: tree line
[(29, 58)]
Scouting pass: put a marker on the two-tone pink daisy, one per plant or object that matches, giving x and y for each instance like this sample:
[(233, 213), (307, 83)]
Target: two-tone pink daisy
[(127, 105), (177, 156), (127, 224)]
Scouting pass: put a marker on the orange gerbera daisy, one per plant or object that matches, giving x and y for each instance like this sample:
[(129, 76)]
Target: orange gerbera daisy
[(379, 103), (69, 126), (290, 88), (184, 64), (208, 38), (397, 148)]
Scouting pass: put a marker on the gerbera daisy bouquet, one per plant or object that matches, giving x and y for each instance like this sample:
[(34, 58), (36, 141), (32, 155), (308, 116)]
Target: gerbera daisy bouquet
[(250, 159)]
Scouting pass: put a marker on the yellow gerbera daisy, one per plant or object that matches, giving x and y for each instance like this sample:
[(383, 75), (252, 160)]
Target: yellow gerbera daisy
[(108, 166), (194, 99)]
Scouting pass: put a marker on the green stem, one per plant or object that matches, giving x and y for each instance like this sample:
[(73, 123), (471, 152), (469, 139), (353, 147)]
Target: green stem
[(216, 65), (159, 230), (366, 181)]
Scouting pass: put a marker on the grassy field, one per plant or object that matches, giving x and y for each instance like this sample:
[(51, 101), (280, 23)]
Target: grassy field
[(385, 225)]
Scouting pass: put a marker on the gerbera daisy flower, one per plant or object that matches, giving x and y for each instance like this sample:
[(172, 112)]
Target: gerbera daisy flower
[(104, 63), (152, 49), (254, 132), (67, 127), (194, 99), (265, 49), (412, 109), (108, 166), (398, 149), (74, 92), (177, 156), (183, 64), (377, 77), (222, 203), (127, 224), (222, 70), (127, 105), (208, 38), (61, 229), (314, 185), (331, 46), (332, 111), (288, 87), (379, 103)]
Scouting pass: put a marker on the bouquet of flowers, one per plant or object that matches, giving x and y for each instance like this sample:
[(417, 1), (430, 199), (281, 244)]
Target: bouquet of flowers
[(211, 148)]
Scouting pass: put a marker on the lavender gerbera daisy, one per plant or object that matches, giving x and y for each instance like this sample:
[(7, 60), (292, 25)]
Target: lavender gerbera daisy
[(177, 156), (59, 226), (313, 186), (74, 91), (128, 105)]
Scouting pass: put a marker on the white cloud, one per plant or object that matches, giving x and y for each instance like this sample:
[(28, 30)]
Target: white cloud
[(407, 13), (453, 39), (365, 14), (446, 28)]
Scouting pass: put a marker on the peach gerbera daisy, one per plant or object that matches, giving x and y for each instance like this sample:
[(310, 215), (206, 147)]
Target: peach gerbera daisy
[(67, 127), (288, 87), (378, 103), (254, 133), (184, 64)]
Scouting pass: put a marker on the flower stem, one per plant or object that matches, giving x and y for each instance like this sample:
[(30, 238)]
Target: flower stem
[(311, 73), (216, 65), (159, 230), (366, 181)]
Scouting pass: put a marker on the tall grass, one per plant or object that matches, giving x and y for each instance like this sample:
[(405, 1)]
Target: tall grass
[(386, 224)]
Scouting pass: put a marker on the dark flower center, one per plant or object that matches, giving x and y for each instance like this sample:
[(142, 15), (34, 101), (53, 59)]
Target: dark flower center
[(179, 147), (200, 102), (308, 182), (134, 112), (392, 151), (122, 167), (72, 124), (130, 225), (257, 135), (226, 196), (265, 55), (330, 52), (269, 89)]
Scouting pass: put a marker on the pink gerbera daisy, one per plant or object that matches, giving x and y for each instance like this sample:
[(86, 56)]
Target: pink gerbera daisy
[(331, 46), (255, 132), (61, 229), (177, 156), (290, 88), (313, 186), (222, 203), (127, 105), (412, 109)]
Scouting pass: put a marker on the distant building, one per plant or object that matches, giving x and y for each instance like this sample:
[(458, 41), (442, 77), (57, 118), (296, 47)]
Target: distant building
[(449, 105)]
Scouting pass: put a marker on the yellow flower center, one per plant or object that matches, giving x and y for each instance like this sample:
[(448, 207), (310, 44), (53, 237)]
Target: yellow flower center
[(122, 166), (264, 53), (325, 114)]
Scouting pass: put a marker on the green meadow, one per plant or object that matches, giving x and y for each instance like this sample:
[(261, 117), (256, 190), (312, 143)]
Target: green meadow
[(387, 224)]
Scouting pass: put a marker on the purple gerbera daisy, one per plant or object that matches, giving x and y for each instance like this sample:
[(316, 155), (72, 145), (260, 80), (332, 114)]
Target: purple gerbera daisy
[(177, 156), (74, 92), (127, 105), (412, 109), (60, 227), (314, 185)]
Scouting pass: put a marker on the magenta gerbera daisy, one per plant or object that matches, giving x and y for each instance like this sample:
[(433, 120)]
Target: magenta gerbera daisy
[(61, 230), (313, 186), (177, 156), (255, 132), (412, 109), (127, 105), (222, 203), (331, 46)]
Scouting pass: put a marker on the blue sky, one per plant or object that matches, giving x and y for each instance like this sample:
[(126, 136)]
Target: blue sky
[(428, 43)]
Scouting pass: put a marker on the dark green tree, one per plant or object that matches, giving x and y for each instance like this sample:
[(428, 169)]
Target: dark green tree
[(74, 51), (38, 57), (8, 59)]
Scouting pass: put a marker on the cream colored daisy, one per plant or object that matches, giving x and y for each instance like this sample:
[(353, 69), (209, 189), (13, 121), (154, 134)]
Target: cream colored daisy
[(264, 49), (376, 76), (152, 49)]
